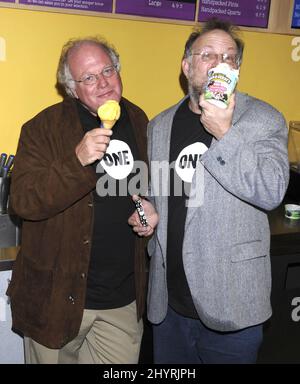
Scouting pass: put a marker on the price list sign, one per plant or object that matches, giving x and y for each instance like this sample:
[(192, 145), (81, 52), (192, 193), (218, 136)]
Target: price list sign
[(248, 13), (296, 15), (180, 10), (83, 5)]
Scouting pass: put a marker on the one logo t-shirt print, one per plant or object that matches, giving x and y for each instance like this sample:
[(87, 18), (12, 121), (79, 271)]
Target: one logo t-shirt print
[(187, 159), (118, 160)]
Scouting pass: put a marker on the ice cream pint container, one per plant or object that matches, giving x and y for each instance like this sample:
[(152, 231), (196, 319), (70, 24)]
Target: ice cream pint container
[(220, 85)]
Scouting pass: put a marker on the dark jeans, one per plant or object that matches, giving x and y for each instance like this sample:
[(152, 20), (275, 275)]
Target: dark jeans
[(182, 340)]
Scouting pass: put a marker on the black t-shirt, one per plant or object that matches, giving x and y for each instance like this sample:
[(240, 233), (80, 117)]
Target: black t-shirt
[(189, 140), (110, 282)]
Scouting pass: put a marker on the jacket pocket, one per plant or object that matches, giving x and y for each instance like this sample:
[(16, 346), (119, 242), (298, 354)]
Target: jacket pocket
[(30, 292), (247, 251)]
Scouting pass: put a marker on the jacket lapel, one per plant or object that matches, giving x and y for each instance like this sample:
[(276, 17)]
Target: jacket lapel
[(160, 181)]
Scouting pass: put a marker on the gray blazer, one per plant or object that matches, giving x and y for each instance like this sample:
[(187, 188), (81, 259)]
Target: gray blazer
[(227, 238)]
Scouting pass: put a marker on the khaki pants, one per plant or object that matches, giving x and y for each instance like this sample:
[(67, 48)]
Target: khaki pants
[(111, 336)]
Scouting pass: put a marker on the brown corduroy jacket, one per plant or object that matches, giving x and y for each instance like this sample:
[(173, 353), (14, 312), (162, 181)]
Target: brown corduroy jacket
[(52, 192)]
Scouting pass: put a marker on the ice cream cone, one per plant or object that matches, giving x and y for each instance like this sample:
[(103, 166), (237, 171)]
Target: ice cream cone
[(108, 124), (109, 113)]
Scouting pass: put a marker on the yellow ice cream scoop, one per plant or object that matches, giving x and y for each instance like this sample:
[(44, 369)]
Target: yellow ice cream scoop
[(109, 112)]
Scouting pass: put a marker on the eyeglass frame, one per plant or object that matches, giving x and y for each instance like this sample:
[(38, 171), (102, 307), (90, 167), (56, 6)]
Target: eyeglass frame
[(217, 56), (114, 67)]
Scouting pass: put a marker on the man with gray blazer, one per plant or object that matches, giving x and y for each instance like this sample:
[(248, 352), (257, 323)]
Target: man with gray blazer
[(210, 277)]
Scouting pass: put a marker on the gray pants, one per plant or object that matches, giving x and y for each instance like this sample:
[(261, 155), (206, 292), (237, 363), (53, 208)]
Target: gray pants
[(111, 336)]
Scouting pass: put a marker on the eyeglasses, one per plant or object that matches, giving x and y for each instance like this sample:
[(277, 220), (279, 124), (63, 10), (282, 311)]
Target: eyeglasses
[(92, 78), (210, 57)]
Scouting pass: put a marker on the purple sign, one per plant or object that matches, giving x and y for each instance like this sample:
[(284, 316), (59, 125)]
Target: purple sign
[(7, 1), (250, 13), (296, 15), (83, 5), (181, 10)]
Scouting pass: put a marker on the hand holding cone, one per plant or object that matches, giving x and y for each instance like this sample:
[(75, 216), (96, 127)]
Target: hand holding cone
[(109, 113)]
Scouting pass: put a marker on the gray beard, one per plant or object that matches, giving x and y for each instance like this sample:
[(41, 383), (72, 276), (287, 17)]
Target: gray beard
[(194, 93)]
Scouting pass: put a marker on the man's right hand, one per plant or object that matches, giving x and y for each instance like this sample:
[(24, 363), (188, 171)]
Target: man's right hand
[(93, 145)]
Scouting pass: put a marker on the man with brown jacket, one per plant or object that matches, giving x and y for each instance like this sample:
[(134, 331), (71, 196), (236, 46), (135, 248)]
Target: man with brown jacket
[(78, 284)]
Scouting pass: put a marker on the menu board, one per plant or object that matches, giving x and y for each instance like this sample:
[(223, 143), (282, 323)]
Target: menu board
[(84, 5), (182, 10), (274, 16), (249, 13), (296, 15)]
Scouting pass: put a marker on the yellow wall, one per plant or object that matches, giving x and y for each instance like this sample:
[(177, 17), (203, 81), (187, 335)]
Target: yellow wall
[(150, 57)]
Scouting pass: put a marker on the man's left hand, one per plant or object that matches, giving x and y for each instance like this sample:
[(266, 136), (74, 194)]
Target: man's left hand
[(151, 215)]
